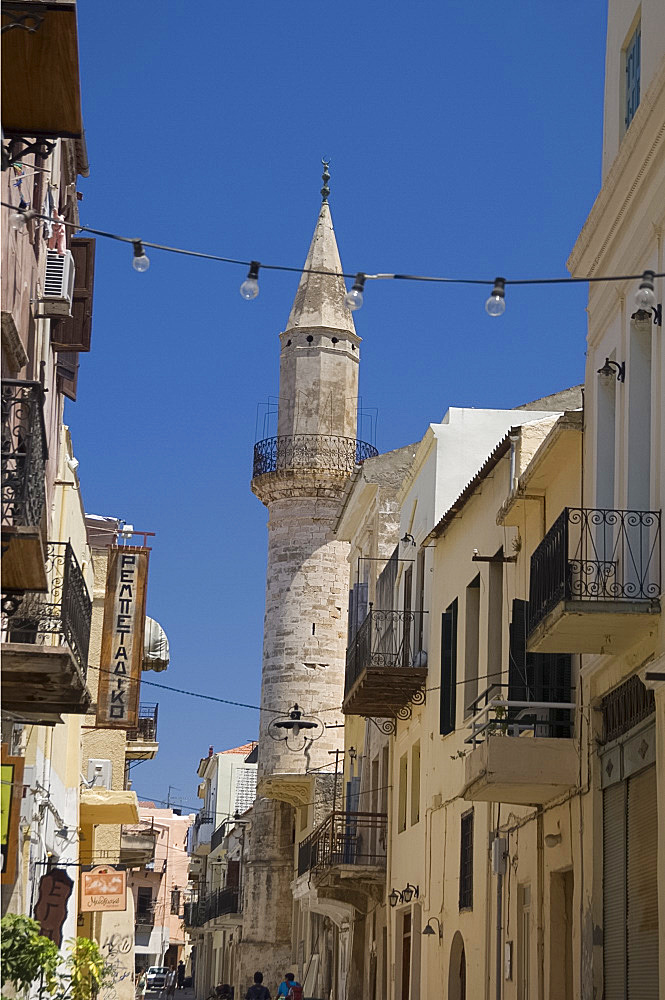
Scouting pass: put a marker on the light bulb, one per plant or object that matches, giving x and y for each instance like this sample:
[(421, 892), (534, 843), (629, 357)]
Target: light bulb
[(496, 303), (250, 286), (140, 261), (645, 296), (18, 221), (354, 298)]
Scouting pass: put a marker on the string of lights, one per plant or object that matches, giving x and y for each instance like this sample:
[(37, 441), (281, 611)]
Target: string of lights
[(212, 697), (645, 297)]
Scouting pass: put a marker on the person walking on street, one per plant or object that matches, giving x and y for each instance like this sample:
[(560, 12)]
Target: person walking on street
[(285, 987), (141, 985), (181, 975), (170, 983), (258, 991)]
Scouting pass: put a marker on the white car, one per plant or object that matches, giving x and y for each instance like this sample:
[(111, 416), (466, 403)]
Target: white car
[(157, 977)]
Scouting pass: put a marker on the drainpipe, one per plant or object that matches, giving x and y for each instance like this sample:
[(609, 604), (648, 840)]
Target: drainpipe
[(514, 438), (499, 869)]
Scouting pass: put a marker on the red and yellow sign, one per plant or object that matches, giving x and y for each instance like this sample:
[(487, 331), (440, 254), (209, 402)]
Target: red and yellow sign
[(122, 638), (12, 793), (103, 888)]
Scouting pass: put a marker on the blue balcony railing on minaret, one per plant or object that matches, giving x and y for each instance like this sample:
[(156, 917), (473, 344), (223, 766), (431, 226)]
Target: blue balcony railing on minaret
[(327, 452)]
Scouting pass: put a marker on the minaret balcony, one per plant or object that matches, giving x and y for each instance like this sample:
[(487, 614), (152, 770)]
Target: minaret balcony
[(595, 582), (386, 667), (328, 453)]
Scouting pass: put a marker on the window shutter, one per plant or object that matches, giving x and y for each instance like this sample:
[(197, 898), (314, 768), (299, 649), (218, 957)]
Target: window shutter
[(517, 666), (233, 875), (72, 333), (67, 369), (642, 883), (448, 689)]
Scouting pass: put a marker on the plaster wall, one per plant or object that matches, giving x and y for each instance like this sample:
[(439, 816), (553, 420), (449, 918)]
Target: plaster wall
[(623, 15)]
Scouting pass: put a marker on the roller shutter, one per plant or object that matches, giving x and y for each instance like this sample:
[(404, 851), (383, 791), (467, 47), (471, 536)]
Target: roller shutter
[(642, 885), (614, 892)]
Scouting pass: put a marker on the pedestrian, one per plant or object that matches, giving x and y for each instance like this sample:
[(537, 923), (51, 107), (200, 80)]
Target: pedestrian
[(295, 989), (258, 991), (141, 985), (285, 986), (181, 975), (170, 982)]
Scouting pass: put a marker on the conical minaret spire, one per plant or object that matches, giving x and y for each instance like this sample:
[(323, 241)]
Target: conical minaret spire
[(319, 301)]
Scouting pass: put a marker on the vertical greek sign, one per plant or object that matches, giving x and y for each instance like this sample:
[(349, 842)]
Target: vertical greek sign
[(122, 638)]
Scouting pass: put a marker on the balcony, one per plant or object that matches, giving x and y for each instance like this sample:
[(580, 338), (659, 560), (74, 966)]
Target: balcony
[(24, 455), (320, 462), (521, 751), (385, 666), (595, 582), (219, 903), (200, 833), (142, 742), (45, 652), (145, 918), (137, 845), (348, 844)]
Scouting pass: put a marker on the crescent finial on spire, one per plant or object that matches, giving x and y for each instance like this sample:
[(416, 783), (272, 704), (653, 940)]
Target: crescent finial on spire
[(325, 190)]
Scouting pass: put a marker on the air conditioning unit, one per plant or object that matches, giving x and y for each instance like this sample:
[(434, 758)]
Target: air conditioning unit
[(58, 284), (99, 773)]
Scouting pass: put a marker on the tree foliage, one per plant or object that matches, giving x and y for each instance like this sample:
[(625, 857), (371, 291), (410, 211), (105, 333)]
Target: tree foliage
[(28, 958)]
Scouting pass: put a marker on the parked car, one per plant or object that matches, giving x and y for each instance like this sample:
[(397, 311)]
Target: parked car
[(157, 977)]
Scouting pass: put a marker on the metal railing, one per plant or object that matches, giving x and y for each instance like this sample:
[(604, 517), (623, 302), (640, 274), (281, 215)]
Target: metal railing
[(146, 731), (218, 835), (345, 838), (328, 452), (596, 554), (215, 904), (60, 617), (24, 453), (496, 715), (385, 639)]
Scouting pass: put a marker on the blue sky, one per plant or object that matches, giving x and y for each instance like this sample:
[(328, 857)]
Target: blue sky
[(465, 140)]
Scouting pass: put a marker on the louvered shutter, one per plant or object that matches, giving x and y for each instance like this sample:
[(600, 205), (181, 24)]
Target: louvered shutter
[(517, 670), (614, 892), (233, 875), (67, 369), (73, 333), (448, 688), (642, 884)]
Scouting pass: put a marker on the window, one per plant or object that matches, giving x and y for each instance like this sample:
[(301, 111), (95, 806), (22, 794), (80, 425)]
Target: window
[(495, 619), (175, 901), (523, 941), (143, 901), (632, 60), (466, 863), (401, 814), (415, 783), (448, 692), (471, 643)]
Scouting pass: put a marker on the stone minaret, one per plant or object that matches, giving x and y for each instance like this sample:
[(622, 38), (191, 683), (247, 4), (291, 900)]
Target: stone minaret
[(300, 476)]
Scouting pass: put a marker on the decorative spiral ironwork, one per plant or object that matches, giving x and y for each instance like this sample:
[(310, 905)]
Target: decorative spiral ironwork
[(60, 617), (327, 452), (596, 554), (24, 453), (295, 729), (418, 697), (404, 713), (386, 726)]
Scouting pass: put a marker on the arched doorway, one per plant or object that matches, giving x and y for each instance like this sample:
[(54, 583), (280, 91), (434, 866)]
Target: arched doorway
[(457, 969)]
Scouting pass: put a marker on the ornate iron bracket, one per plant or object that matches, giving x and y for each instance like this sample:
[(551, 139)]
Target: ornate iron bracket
[(21, 21), (12, 151), (388, 726), (295, 729)]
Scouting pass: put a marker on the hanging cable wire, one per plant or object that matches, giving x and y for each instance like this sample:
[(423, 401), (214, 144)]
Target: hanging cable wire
[(497, 284)]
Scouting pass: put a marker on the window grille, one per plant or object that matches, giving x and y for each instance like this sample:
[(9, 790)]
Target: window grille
[(466, 863)]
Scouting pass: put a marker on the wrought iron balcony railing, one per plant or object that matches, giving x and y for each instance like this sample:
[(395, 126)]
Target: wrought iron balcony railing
[(345, 838), (24, 453), (495, 714), (215, 904), (594, 554), (327, 452), (60, 617), (386, 639), (146, 731)]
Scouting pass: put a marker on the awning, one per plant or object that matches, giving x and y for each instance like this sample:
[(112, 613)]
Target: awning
[(155, 647)]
